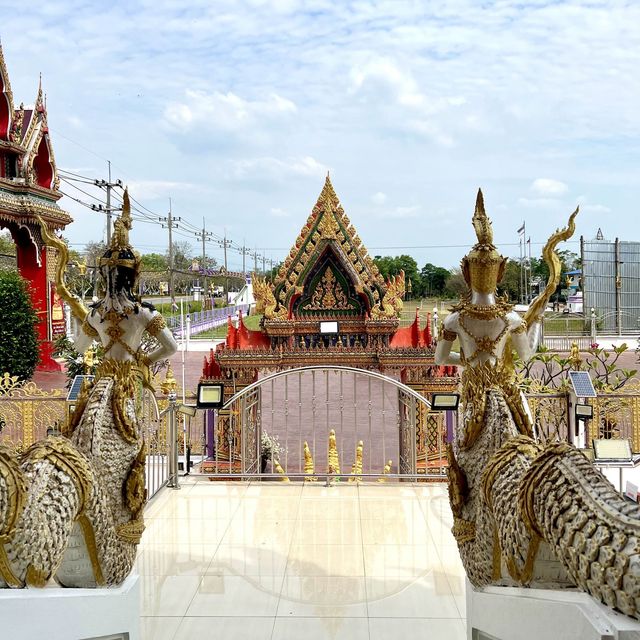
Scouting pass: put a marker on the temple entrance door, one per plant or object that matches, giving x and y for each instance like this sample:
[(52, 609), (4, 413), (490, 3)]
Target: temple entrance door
[(273, 418), (409, 433), (248, 430)]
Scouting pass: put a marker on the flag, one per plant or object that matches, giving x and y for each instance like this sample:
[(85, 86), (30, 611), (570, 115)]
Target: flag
[(521, 229)]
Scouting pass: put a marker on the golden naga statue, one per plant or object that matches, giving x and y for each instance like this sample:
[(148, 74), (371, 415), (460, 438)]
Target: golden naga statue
[(392, 302), (71, 508), (526, 513), (266, 303)]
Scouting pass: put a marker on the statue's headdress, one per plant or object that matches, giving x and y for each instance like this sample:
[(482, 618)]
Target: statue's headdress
[(120, 264), (483, 266)]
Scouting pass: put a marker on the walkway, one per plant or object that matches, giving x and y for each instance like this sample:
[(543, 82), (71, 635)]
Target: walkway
[(273, 561)]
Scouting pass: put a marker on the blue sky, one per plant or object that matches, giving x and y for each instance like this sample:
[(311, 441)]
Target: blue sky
[(237, 110)]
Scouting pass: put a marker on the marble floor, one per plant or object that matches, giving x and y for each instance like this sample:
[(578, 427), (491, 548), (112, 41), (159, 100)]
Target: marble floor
[(263, 561)]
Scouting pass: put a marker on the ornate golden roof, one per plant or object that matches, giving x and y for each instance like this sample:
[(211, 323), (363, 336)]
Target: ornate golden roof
[(327, 227)]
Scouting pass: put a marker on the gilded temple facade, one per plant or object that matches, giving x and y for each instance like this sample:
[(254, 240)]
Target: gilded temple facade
[(329, 281)]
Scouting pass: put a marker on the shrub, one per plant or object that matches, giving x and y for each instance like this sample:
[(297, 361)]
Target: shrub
[(19, 352)]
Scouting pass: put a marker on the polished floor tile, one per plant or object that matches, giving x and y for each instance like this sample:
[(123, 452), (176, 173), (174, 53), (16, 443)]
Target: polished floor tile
[(224, 628), (323, 596), (167, 595), (423, 597), (325, 560), (431, 628), (175, 559), (159, 627), (235, 596), (248, 560), (340, 628), (288, 560)]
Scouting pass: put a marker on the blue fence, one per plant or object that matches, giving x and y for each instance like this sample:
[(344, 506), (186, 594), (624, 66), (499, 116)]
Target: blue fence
[(205, 320)]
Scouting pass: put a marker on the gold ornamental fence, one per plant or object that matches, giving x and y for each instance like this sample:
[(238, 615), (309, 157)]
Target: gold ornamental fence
[(29, 414)]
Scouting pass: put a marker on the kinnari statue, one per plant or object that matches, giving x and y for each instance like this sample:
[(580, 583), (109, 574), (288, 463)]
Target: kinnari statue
[(526, 513), (71, 508)]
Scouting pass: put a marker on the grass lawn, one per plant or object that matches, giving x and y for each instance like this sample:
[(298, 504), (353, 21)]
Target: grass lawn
[(564, 326), (251, 322)]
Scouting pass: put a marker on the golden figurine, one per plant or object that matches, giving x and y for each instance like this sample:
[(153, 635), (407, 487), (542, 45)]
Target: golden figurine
[(386, 471), (333, 458), (356, 468), (169, 384), (309, 466), (574, 357), (278, 467)]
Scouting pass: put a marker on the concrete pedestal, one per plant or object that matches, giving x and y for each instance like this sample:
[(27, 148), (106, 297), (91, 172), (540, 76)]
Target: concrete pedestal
[(72, 614), (505, 613)]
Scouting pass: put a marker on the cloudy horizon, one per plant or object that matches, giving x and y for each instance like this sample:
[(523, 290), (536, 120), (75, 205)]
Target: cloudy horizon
[(237, 110)]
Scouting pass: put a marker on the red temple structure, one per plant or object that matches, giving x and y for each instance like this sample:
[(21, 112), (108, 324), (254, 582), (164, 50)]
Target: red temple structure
[(29, 188)]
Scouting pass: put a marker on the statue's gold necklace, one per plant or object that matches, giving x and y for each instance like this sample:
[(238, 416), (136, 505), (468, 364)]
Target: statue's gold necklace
[(484, 344)]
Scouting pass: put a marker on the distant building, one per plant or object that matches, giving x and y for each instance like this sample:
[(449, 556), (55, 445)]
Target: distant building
[(611, 282)]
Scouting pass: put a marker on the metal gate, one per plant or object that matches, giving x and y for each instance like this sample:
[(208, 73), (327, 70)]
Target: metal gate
[(276, 426)]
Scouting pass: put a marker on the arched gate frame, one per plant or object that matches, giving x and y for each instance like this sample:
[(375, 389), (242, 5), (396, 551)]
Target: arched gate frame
[(416, 450)]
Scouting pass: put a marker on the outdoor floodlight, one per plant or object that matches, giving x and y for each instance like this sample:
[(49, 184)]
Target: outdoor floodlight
[(584, 412), (329, 327), (445, 401), (612, 449), (188, 409), (210, 395)]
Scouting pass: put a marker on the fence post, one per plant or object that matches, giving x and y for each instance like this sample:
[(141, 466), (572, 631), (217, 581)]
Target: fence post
[(173, 481), (593, 325)]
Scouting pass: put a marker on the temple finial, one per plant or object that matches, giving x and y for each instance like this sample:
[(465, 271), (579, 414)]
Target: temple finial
[(481, 222), (122, 225), (480, 202)]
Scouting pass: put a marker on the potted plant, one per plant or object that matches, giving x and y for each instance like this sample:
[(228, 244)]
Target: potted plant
[(270, 450)]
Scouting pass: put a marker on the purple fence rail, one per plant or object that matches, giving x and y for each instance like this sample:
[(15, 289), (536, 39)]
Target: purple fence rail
[(205, 320)]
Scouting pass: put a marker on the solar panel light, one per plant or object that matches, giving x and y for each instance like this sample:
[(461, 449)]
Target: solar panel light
[(584, 412), (188, 409), (445, 401), (612, 449), (210, 395)]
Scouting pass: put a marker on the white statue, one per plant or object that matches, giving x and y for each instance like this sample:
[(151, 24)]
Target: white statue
[(524, 513), (71, 508)]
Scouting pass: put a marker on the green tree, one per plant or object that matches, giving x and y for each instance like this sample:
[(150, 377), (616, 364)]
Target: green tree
[(18, 335), (510, 283), (182, 256), (7, 245), (455, 286), (434, 279), (154, 262), (391, 266)]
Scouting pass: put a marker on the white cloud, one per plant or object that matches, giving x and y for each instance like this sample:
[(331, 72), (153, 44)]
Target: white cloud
[(587, 207), (539, 203), (549, 187), (224, 111), (379, 198), (276, 212), (275, 168), (383, 83), (400, 212)]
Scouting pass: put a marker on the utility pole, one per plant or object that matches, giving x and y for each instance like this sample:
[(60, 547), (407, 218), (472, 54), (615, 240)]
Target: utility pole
[(245, 253), (108, 185), (205, 236), (254, 255), (225, 244), (169, 222), (264, 270)]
